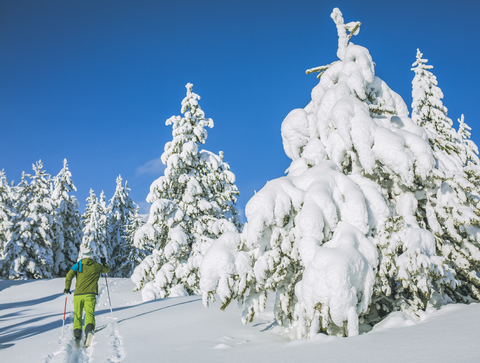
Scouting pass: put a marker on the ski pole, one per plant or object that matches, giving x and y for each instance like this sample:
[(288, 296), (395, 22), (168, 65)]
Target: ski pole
[(64, 311), (109, 301)]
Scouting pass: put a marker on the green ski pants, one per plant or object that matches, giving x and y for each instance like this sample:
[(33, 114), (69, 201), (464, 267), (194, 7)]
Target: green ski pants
[(84, 302)]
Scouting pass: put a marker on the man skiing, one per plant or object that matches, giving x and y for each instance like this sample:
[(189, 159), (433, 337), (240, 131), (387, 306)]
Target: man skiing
[(87, 272)]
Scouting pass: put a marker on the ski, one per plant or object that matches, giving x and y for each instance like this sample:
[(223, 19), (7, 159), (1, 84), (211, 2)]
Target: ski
[(89, 339)]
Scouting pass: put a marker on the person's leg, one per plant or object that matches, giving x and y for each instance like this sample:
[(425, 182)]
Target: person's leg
[(89, 305), (77, 316)]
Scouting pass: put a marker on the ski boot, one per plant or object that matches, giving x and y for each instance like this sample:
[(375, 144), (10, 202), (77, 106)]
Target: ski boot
[(77, 341), (77, 334)]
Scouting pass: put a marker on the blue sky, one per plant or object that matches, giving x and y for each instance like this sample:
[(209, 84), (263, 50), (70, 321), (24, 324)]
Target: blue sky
[(94, 81)]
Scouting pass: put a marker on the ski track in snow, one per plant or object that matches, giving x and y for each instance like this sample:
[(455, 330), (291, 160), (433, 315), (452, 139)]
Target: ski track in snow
[(114, 337), (116, 344), (69, 353)]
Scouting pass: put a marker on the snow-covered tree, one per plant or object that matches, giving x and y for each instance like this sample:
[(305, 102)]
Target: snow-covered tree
[(449, 206), (192, 205), (103, 213), (123, 212), (94, 234), (68, 225), (469, 154), (29, 252), (337, 239), (7, 212), (136, 254), (428, 110)]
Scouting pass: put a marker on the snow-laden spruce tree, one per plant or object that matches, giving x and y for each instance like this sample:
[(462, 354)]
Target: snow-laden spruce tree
[(337, 239), (29, 252), (7, 212), (470, 159), (192, 205), (68, 224), (468, 148), (94, 222), (136, 254), (122, 212), (428, 110), (103, 213), (450, 206)]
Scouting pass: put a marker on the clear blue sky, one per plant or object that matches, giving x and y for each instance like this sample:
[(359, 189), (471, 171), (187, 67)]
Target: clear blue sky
[(94, 81)]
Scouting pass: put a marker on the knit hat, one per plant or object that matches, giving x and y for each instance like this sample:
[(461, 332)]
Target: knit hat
[(85, 252)]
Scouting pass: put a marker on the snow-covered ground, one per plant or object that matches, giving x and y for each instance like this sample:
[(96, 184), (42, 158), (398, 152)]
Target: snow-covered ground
[(182, 330)]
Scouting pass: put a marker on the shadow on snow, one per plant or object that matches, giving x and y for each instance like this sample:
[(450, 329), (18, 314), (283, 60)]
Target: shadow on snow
[(5, 284), (11, 333), (21, 304)]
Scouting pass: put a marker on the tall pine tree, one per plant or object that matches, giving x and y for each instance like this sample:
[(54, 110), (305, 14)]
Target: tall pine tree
[(449, 207), (7, 212), (68, 225), (469, 155), (123, 212), (103, 213), (135, 254), (192, 205), (29, 252), (93, 227)]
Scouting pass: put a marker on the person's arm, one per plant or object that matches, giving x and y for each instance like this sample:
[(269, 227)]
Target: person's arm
[(103, 266), (68, 280)]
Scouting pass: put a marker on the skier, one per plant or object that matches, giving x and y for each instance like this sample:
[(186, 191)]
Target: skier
[(87, 272)]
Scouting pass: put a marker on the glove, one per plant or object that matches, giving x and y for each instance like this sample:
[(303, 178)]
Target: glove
[(103, 260), (66, 291)]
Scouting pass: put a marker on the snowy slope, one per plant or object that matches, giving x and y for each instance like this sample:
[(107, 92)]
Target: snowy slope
[(182, 330)]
